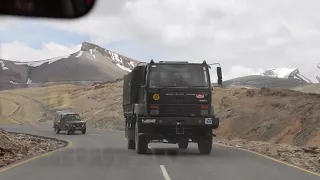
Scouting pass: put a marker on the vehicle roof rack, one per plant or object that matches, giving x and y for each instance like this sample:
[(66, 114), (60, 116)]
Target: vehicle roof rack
[(173, 62), (141, 64)]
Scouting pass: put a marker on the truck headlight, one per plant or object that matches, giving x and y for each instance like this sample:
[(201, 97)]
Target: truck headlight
[(204, 112), (154, 112)]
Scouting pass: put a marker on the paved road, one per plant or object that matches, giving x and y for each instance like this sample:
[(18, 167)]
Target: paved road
[(102, 155)]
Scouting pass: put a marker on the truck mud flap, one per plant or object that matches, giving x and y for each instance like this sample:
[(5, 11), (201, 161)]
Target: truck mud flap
[(215, 123)]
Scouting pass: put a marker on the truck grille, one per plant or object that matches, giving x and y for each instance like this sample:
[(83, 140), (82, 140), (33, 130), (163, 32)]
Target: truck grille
[(180, 110)]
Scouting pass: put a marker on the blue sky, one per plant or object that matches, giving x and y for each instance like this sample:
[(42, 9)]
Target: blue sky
[(35, 34)]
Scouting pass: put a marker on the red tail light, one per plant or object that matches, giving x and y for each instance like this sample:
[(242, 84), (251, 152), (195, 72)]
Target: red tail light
[(154, 106), (204, 107)]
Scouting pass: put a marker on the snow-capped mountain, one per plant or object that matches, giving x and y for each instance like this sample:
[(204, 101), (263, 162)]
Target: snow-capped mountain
[(272, 78), (90, 64), (279, 72), (121, 61), (286, 73)]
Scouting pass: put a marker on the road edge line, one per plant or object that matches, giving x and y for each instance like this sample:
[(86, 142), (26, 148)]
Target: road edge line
[(20, 162), (165, 173), (271, 158)]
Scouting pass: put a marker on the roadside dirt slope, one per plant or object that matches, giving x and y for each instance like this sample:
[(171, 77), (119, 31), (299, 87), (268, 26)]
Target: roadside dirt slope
[(99, 105), (271, 115)]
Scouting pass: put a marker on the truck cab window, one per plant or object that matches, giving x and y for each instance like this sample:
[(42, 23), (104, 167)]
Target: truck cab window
[(178, 76)]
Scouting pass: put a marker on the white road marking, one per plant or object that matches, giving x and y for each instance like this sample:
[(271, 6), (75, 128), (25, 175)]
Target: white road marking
[(95, 134), (151, 149), (165, 173), (10, 127), (46, 129)]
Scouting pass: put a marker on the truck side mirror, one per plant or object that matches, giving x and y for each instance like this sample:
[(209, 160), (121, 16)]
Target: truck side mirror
[(219, 74)]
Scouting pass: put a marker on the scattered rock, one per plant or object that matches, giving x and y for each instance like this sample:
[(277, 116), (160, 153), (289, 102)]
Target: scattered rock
[(307, 158), (2, 163), (15, 146), (308, 150)]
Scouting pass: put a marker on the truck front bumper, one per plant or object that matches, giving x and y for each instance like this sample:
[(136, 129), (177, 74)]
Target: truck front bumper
[(207, 122)]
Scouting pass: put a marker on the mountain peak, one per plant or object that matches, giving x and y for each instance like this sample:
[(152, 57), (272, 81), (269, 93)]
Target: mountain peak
[(121, 61), (279, 72), (86, 46), (286, 73), (91, 63)]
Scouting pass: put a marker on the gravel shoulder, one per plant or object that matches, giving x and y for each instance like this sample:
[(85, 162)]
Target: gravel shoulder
[(305, 157), (18, 146)]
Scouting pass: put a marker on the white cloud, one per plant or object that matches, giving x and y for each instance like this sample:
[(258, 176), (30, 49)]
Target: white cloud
[(6, 23), (18, 51), (254, 34), (234, 72)]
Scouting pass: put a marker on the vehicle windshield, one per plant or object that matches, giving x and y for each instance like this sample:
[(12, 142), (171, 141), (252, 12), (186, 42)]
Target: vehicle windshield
[(71, 117), (178, 75)]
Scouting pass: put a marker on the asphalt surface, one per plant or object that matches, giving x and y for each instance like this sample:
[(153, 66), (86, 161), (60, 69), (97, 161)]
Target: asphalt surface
[(100, 155)]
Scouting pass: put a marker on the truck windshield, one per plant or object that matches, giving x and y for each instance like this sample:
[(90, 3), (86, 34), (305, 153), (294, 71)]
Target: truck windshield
[(71, 117), (177, 75)]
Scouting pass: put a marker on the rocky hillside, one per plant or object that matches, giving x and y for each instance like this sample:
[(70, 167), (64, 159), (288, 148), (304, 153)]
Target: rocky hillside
[(90, 64), (263, 114), (271, 115)]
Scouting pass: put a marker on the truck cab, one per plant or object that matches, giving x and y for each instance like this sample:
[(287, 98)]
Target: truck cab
[(169, 102)]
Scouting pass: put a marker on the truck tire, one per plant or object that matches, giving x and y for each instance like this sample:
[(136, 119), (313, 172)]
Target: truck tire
[(131, 144), (183, 143), (67, 131), (141, 142), (56, 130), (205, 145), (84, 131)]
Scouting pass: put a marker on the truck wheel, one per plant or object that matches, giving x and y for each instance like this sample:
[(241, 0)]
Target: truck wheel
[(141, 142), (183, 143), (67, 131), (56, 130), (84, 131), (205, 144), (131, 144)]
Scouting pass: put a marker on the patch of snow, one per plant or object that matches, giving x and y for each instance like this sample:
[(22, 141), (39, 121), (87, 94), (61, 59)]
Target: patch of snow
[(119, 61), (115, 57), (124, 68), (279, 72), (12, 82), (39, 63), (3, 65), (79, 54), (91, 52), (29, 81)]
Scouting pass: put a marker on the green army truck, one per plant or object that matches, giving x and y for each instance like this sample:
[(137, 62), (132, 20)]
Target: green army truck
[(169, 102)]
